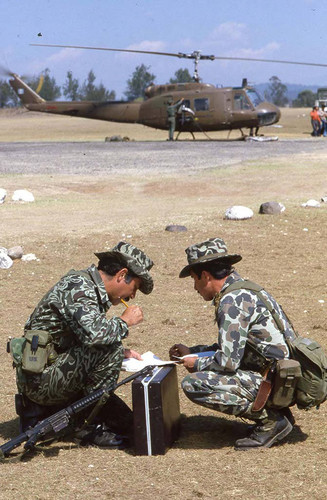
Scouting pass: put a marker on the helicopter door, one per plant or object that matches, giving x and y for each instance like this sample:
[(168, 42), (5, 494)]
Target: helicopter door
[(185, 115), (242, 109)]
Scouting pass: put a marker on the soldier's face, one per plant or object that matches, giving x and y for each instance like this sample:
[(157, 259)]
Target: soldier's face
[(121, 288), (203, 285)]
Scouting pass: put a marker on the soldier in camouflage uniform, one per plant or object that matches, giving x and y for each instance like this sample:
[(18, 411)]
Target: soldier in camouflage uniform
[(227, 379), (88, 346)]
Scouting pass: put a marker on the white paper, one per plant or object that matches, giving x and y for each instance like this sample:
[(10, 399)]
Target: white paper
[(148, 358), (196, 355)]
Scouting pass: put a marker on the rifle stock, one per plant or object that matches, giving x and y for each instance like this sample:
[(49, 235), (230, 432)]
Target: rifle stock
[(61, 419)]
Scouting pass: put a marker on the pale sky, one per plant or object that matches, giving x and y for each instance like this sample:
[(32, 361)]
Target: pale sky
[(274, 29)]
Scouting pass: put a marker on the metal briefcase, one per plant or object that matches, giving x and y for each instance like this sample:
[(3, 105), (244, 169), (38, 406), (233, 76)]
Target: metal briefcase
[(156, 411)]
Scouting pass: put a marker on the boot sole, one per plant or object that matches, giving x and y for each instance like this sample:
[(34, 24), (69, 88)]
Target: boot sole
[(278, 437)]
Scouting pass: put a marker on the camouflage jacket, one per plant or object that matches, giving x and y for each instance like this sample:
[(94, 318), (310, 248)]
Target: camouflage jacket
[(74, 312), (242, 315)]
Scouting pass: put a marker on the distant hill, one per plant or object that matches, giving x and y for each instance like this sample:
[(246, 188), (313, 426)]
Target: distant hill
[(293, 89)]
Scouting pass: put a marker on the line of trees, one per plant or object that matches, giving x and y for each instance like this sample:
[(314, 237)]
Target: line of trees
[(277, 94), (141, 78), (72, 90)]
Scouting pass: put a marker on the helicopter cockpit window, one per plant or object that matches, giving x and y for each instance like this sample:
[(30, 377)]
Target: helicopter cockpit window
[(254, 97), (201, 104), (241, 102)]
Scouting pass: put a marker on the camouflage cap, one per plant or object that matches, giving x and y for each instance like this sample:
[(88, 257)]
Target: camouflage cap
[(135, 260), (212, 249)]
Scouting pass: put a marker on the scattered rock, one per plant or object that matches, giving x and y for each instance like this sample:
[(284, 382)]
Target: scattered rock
[(22, 195), (3, 194), (271, 208), (324, 199), (168, 321), (311, 204), (237, 212), (174, 228), (3, 250), (116, 138), (15, 252), (5, 261), (29, 256)]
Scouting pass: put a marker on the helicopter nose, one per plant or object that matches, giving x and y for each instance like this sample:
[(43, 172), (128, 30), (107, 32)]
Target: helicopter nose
[(268, 115)]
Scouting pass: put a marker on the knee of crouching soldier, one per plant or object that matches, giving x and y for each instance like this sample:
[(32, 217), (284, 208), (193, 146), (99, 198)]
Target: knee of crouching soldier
[(188, 385)]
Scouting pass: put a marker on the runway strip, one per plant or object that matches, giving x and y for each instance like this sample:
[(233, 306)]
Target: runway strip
[(94, 158)]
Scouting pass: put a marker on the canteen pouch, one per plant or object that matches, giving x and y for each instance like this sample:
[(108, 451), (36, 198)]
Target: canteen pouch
[(16, 347), (287, 375), (37, 350)]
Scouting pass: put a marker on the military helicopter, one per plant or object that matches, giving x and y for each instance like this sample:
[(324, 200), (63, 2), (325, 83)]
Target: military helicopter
[(205, 108)]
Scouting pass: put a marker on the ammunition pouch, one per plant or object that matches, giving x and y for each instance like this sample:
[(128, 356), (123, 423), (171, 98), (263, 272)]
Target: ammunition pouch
[(287, 375), (38, 351), (33, 352)]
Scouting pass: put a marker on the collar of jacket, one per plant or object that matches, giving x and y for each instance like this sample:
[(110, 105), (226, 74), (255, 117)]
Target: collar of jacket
[(96, 278), (234, 276)]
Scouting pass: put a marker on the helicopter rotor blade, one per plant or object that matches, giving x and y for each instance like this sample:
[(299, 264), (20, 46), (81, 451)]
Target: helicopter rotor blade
[(194, 55), (269, 61), (105, 48), (4, 71)]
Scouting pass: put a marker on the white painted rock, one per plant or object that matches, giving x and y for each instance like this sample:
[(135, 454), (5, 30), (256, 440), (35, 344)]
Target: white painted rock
[(311, 203), (29, 256), (3, 194), (22, 195), (5, 261), (237, 212)]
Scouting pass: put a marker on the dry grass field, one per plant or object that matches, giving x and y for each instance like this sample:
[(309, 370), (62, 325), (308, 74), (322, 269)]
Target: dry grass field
[(73, 216), (21, 125)]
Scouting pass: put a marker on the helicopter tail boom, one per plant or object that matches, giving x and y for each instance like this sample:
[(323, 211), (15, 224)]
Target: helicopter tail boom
[(24, 92)]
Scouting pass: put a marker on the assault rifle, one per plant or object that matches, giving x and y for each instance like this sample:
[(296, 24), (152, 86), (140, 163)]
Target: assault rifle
[(61, 419)]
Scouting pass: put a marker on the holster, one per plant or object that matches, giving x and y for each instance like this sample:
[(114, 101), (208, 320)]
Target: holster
[(264, 391)]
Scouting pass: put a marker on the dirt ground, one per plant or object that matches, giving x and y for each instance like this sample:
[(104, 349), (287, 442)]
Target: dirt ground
[(74, 216)]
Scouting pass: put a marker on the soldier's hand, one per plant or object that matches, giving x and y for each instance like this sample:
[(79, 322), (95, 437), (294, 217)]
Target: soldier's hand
[(189, 363), (178, 350), (130, 353), (132, 315)]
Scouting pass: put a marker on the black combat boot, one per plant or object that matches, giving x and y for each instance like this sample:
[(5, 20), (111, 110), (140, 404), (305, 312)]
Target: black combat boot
[(267, 432), (111, 428), (117, 416), (288, 414), (98, 435), (29, 413)]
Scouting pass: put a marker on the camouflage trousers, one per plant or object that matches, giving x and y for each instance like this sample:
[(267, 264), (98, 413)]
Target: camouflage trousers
[(231, 393), (74, 374)]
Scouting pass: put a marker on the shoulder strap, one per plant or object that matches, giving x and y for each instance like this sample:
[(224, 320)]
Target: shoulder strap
[(253, 287)]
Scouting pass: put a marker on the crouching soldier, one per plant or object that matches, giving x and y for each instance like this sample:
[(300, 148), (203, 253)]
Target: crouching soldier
[(84, 348), (252, 334)]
